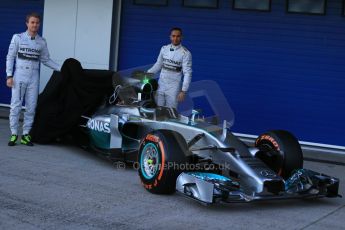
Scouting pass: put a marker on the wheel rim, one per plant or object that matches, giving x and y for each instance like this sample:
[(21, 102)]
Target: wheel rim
[(277, 162), (149, 162)]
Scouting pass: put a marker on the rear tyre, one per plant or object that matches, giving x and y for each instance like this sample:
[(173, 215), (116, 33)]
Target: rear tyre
[(280, 151), (161, 158)]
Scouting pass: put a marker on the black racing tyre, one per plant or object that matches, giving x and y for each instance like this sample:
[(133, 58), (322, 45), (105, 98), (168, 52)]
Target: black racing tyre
[(161, 158), (280, 151)]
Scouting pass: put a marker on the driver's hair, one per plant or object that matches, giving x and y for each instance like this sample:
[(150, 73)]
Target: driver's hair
[(176, 28), (34, 15)]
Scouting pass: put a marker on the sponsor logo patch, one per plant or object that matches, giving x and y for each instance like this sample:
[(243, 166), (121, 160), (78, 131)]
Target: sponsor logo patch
[(98, 126), (268, 173), (270, 139), (152, 138)]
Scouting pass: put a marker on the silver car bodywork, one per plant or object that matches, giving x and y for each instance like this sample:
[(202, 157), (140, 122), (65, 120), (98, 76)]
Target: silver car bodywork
[(118, 128)]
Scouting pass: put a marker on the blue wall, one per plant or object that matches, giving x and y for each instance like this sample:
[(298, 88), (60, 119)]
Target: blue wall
[(12, 18), (278, 70)]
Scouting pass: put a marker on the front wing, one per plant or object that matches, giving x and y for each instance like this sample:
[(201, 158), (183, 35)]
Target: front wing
[(209, 188)]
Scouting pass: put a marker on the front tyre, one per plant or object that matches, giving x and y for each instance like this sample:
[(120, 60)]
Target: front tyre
[(162, 157), (280, 151)]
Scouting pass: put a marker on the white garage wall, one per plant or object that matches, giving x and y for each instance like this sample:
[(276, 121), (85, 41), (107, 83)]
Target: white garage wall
[(80, 29)]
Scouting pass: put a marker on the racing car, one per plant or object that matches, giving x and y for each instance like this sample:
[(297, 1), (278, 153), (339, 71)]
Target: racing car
[(194, 152)]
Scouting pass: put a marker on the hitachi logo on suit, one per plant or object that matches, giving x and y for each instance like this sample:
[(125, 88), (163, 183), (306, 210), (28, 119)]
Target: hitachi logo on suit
[(172, 61)]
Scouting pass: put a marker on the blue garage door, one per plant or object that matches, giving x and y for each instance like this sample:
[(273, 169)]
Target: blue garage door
[(12, 17), (278, 70)]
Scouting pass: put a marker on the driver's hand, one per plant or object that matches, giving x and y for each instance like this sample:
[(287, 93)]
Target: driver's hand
[(9, 82), (181, 96), (122, 102)]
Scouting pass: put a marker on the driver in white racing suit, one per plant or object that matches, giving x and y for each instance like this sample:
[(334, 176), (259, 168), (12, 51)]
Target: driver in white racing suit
[(26, 50), (174, 60)]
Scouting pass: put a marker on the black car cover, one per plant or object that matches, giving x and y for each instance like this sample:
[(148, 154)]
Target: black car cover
[(69, 94)]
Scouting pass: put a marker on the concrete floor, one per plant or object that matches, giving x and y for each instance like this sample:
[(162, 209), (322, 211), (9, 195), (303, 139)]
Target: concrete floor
[(64, 187)]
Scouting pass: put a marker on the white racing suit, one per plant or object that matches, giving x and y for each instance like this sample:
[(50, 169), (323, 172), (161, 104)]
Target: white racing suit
[(27, 52), (173, 61)]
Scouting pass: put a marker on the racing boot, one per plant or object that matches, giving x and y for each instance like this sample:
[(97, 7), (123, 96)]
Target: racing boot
[(13, 140), (26, 140)]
